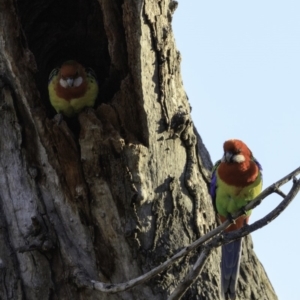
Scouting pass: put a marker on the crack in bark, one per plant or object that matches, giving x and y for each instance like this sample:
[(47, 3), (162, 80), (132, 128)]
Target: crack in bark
[(161, 60)]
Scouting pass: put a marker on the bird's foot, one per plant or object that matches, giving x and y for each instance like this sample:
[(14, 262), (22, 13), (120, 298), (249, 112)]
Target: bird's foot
[(230, 218), (58, 118), (244, 211)]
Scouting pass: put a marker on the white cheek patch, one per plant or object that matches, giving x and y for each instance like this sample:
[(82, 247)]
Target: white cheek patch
[(63, 83), (78, 81), (239, 158)]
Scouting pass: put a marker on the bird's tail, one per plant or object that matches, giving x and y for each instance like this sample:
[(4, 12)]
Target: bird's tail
[(230, 268)]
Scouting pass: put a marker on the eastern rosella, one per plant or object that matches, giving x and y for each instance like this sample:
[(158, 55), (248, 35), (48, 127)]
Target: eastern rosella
[(236, 180), (71, 88)]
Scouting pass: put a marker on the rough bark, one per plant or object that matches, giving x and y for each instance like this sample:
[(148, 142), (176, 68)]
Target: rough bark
[(114, 192)]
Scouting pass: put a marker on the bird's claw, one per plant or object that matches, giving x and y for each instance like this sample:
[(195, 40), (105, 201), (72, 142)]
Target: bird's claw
[(244, 210), (230, 218)]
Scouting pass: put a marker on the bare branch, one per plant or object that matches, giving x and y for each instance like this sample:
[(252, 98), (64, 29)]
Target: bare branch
[(268, 191), (229, 237), (280, 193), (216, 241), (115, 288), (273, 214)]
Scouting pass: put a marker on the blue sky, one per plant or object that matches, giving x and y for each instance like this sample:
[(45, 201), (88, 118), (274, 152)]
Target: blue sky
[(241, 72)]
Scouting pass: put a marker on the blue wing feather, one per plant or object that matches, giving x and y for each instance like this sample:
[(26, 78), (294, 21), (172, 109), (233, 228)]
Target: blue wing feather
[(257, 163)]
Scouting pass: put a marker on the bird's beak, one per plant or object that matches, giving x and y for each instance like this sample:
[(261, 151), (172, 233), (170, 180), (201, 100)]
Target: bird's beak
[(228, 157), (70, 81)]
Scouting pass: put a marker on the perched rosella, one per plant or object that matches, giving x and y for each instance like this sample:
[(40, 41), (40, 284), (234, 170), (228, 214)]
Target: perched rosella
[(71, 88), (236, 180)]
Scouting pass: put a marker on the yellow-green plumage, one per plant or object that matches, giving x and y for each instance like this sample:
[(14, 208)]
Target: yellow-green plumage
[(70, 100), (230, 199)]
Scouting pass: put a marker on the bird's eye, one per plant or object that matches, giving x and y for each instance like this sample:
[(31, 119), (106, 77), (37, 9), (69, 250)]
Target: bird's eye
[(238, 151)]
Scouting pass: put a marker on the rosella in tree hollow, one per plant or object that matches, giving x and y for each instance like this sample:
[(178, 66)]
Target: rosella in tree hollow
[(236, 180), (72, 88)]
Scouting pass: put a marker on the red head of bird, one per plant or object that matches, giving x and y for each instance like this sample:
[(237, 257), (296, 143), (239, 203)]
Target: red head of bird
[(237, 165), (71, 80)]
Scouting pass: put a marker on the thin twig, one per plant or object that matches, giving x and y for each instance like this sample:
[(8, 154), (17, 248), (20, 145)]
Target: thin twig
[(280, 193), (115, 288), (182, 287), (229, 237), (119, 287)]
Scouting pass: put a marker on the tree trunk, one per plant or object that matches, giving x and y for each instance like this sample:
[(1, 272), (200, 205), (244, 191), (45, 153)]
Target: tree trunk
[(115, 191)]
